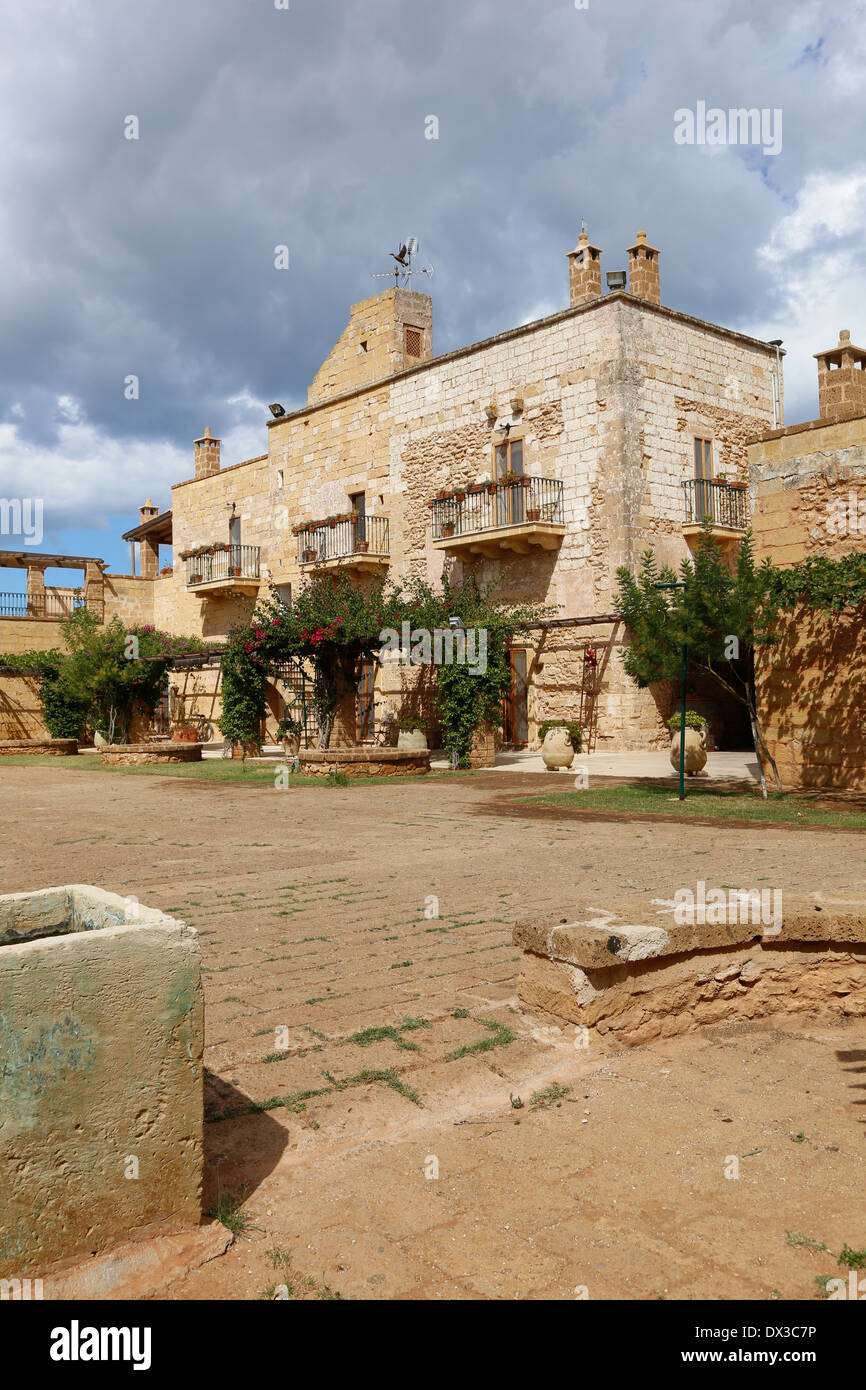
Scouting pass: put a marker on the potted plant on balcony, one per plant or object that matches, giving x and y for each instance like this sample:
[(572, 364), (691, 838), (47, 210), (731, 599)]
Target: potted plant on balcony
[(331, 521), (195, 578), (360, 546), (308, 555), (442, 494), (476, 487), (459, 495), (448, 528), (738, 485), (533, 513), (289, 735)]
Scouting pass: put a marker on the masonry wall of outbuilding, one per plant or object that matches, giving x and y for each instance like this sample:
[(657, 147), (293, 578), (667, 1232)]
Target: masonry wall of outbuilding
[(809, 489)]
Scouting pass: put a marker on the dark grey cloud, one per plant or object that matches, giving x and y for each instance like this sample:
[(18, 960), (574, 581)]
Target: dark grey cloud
[(261, 126)]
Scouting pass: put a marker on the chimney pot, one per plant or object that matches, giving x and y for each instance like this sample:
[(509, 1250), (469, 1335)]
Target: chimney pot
[(842, 380), (584, 271), (643, 270), (207, 455)]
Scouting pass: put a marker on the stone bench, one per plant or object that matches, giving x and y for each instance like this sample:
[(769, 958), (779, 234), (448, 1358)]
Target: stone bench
[(638, 973), (365, 762), (47, 747), (120, 754)]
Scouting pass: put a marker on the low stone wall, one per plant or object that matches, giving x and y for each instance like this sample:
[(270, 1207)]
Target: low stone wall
[(121, 754), (101, 1030), (635, 980), (48, 747), (366, 762)]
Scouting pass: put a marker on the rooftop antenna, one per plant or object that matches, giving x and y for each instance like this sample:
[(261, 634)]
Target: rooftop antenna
[(403, 265)]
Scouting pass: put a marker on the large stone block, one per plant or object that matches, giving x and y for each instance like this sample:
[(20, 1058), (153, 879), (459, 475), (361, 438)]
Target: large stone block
[(101, 1025)]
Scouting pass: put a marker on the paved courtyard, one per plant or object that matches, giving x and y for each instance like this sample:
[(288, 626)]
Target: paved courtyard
[(360, 990)]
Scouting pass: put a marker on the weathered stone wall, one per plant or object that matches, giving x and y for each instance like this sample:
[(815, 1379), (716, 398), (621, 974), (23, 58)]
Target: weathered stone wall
[(809, 488), (21, 708)]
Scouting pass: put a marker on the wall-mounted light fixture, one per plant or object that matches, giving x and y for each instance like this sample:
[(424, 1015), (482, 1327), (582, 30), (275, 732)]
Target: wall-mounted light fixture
[(276, 410), (616, 279)]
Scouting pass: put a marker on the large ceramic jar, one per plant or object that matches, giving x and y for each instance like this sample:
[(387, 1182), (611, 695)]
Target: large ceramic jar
[(557, 749), (412, 738), (292, 745), (695, 754)]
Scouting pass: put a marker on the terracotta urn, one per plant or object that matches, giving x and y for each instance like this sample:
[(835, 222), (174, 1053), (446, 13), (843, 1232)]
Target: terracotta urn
[(411, 738), (557, 749), (185, 733), (696, 751)]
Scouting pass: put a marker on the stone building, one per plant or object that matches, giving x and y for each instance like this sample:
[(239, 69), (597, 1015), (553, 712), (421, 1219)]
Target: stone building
[(543, 457), (809, 488)]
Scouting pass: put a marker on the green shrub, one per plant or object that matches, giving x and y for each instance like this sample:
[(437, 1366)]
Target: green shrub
[(693, 721), (575, 733)]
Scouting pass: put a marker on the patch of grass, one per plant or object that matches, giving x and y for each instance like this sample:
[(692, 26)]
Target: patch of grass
[(702, 801), (295, 1285), (461, 1013), (540, 1100), (499, 1035), (852, 1259), (401, 964), (387, 1076), (229, 1211), (296, 1100), (804, 1242)]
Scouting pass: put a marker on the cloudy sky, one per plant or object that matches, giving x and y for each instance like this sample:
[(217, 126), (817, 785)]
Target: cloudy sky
[(306, 126)]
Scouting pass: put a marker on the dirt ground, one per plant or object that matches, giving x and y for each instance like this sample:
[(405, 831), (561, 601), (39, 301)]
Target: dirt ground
[(439, 1176)]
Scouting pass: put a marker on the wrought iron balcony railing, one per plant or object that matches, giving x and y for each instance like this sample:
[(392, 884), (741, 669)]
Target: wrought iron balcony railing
[(719, 503), (235, 562), (523, 502), (43, 605), (343, 540)]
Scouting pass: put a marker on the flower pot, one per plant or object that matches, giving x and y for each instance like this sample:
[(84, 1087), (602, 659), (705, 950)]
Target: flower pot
[(557, 749), (309, 556), (234, 571), (292, 745), (533, 514), (195, 579), (245, 750), (361, 547), (184, 733), (448, 528), (411, 738), (696, 751)]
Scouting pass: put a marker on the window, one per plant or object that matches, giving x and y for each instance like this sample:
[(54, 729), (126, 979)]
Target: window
[(279, 477), (703, 479), (364, 345), (704, 458), (509, 500), (359, 505), (413, 341)]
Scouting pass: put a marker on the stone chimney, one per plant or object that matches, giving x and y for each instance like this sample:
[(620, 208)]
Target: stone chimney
[(148, 549), (643, 270), (584, 271), (207, 456), (842, 380)]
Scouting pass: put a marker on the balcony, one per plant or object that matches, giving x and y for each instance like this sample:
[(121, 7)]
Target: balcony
[(229, 569), (724, 505), (359, 544), (489, 518), (46, 604)]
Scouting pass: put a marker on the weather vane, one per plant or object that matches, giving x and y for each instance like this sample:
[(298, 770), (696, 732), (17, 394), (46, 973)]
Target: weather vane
[(403, 268)]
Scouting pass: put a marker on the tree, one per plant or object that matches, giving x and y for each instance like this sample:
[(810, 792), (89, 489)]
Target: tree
[(716, 604), (102, 679)]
